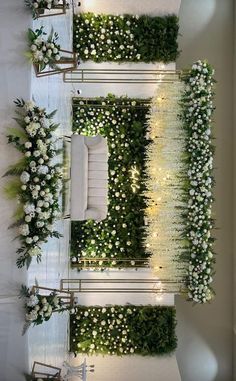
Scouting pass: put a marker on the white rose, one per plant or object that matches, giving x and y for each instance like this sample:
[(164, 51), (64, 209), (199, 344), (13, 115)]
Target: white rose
[(34, 251), (29, 106), (25, 177), (24, 230), (27, 219), (27, 120), (28, 145)]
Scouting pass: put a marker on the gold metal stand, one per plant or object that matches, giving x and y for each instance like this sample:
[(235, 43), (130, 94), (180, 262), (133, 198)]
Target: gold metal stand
[(134, 286), (87, 262), (45, 372), (119, 76), (97, 103), (66, 296), (67, 62), (57, 10)]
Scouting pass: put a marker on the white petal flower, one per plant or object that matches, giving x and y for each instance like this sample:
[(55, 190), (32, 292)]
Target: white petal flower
[(25, 177)]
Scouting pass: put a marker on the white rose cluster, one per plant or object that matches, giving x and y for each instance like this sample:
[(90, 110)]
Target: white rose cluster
[(43, 51), (197, 112), (39, 308), (106, 38), (41, 181), (123, 330), (39, 5), (102, 243), (103, 330)]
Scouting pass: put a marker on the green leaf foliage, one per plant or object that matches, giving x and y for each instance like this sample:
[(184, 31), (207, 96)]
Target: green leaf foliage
[(123, 330), (12, 189), (197, 111), (16, 169), (126, 38), (120, 236), (35, 141)]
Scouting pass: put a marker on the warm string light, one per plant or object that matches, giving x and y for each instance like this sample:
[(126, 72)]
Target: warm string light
[(164, 183), (134, 174)]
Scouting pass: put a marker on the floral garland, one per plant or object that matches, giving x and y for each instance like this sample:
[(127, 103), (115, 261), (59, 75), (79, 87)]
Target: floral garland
[(39, 183), (120, 235), (37, 5), (123, 330), (43, 52), (125, 38), (39, 308), (197, 109)]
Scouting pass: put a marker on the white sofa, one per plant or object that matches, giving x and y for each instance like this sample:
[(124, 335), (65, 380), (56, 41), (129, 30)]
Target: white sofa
[(89, 178)]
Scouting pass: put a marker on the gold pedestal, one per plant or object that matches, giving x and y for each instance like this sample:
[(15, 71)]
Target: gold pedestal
[(67, 297), (57, 10), (45, 372), (67, 63)]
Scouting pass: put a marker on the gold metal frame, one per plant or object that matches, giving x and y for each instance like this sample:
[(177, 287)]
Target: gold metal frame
[(43, 375), (61, 8), (119, 76), (87, 262), (93, 102), (71, 61), (66, 296), (151, 286)]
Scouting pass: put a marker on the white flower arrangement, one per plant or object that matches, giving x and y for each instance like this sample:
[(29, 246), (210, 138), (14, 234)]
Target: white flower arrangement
[(39, 184), (38, 6), (43, 52), (39, 308), (197, 109)]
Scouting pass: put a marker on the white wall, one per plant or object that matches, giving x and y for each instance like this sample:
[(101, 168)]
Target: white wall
[(139, 7)]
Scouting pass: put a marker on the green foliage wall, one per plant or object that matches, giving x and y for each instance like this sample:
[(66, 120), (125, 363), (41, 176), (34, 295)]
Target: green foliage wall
[(126, 38), (197, 112), (123, 330), (120, 235)]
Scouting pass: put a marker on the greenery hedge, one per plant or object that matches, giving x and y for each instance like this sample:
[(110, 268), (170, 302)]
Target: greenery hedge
[(126, 38), (123, 330), (197, 112), (120, 236)]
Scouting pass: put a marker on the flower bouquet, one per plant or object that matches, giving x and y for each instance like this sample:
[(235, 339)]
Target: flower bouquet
[(197, 110), (43, 52), (38, 7), (46, 54), (39, 308), (39, 181)]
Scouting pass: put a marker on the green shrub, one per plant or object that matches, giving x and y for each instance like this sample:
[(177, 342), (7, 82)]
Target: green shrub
[(126, 38), (123, 330), (121, 234)]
